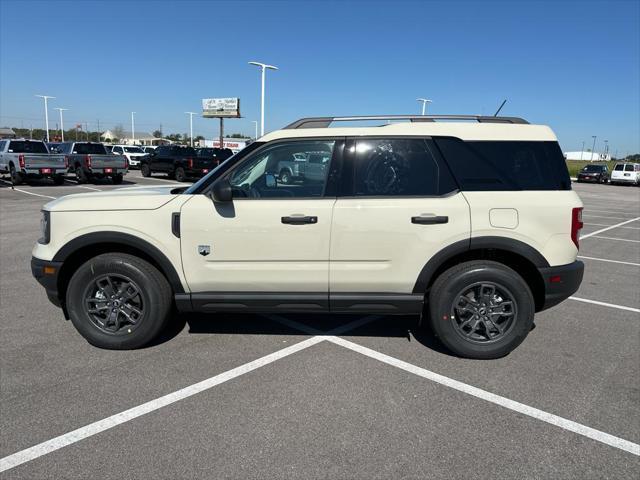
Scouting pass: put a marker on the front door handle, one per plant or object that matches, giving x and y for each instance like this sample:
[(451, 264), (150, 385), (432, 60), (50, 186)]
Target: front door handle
[(299, 219), (428, 219)]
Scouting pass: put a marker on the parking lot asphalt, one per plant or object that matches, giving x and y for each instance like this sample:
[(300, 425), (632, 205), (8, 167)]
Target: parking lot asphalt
[(239, 396)]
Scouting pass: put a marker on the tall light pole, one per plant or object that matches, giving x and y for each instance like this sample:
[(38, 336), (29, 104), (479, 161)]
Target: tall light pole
[(606, 149), (46, 113), (255, 123), (424, 104), (264, 68), (133, 130), (191, 114), (582, 151), (593, 147), (61, 122)]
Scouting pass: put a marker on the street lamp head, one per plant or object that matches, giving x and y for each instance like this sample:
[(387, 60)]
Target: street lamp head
[(44, 96), (426, 100), (263, 65)]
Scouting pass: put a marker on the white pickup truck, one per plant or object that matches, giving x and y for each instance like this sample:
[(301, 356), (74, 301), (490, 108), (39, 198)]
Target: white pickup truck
[(24, 159)]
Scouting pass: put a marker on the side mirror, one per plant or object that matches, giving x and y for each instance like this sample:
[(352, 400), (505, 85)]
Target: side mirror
[(221, 191), (270, 180)]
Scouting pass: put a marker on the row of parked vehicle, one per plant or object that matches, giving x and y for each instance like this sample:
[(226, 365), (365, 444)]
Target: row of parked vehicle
[(25, 159), (622, 174)]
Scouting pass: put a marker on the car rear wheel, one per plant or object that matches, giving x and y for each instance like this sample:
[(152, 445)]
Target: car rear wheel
[(118, 301), (180, 175), (481, 309), (81, 175), (58, 180), (284, 177), (16, 177), (145, 170)]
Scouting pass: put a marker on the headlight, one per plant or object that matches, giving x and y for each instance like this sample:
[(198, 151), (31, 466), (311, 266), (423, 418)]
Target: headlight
[(45, 227)]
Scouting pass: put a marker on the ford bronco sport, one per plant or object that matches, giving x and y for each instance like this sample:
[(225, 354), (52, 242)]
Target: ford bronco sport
[(470, 222)]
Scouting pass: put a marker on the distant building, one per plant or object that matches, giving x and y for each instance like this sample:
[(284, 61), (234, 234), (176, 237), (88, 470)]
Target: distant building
[(588, 156), (7, 133), (141, 138)]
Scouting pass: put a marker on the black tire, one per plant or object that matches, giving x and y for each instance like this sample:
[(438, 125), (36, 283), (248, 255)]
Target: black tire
[(16, 177), (117, 179), (153, 301), (180, 175), (81, 175), (145, 170), (284, 177), (446, 321), (58, 180)]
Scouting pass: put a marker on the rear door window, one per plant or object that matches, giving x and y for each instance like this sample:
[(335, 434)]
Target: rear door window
[(619, 168), (25, 146), (505, 165), (398, 167)]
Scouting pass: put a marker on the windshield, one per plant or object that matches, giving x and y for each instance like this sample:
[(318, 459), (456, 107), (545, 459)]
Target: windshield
[(593, 168), (133, 150)]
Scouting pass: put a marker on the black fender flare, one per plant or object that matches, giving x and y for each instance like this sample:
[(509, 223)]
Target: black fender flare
[(125, 239), (477, 243)]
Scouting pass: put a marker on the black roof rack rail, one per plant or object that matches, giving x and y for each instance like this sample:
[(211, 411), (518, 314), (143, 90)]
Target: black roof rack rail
[(323, 122)]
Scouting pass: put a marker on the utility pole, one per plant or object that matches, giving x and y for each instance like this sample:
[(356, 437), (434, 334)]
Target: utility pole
[(99, 133), (191, 114), (133, 130), (255, 123), (264, 68), (582, 151), (221, 133), (594, 146), (46, 112), (61, 122)]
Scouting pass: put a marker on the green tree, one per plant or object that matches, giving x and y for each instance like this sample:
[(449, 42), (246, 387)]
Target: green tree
[(157, 134)]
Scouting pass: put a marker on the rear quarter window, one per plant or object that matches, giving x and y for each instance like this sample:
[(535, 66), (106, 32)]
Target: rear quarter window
[(505, 165)]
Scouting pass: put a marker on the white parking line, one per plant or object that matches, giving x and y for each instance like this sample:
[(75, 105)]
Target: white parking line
[(605, 225), (609, 228), (89, 188), (28, 193), (518, 407), (604, 216), (618, 239), (69, 438), (610, 261), (604, 304)]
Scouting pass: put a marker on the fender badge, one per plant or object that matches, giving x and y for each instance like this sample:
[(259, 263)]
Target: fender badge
[(204, 250)]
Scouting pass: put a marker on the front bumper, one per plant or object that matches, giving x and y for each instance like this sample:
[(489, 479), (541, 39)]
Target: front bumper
[(561, 282), (46, 273), (584, 178)]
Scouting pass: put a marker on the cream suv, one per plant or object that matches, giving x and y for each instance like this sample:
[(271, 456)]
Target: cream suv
[(469, 221)]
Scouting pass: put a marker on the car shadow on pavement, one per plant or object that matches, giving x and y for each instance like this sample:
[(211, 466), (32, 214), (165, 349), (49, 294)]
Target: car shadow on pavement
[(406, 327)]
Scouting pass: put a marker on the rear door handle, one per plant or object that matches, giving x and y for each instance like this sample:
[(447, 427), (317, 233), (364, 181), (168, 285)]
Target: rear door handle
[(426, 219), (299, 219)]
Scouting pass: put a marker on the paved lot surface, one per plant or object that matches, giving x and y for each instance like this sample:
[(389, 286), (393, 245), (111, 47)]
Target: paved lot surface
[(248, 396)]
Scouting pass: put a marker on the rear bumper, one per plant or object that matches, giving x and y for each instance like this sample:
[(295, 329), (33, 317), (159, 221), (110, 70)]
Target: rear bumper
[(624, 180), (46, 273), (561, 282), (44, 172)]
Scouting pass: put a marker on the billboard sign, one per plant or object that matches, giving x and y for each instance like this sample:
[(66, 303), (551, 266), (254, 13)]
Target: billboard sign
[(221, 107)]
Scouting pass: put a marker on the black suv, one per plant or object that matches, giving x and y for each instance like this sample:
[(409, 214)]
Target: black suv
[(594, 173), (176, 161)]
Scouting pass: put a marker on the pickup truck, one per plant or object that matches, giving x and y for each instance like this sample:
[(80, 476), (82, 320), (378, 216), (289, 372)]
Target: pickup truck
[(177, 162), (90, 160), (310, 167), (24, 159)]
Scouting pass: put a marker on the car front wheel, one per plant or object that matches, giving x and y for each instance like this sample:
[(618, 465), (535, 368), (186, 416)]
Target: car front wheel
[(145, 170), (118, 301), (481, 309)]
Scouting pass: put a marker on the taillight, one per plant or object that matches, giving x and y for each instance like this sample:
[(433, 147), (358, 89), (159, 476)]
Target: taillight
[(66, 161), (126, 161), (190, 162), (87, 161), (21, 161), (576, 225)]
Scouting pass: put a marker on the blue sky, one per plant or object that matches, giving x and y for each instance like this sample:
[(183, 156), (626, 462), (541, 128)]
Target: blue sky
[(572, 65)]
